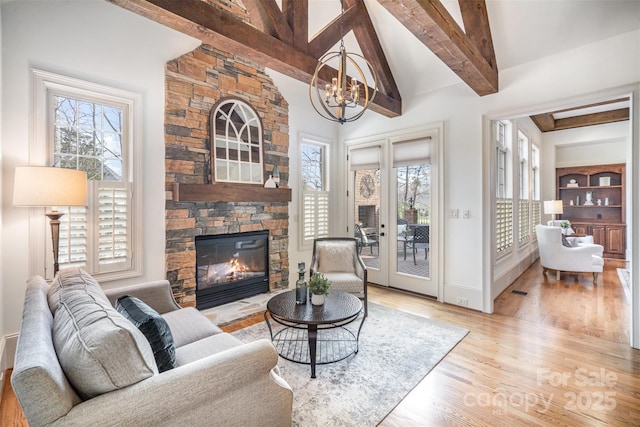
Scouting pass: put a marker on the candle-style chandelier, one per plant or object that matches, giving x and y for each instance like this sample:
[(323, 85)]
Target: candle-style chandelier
[(341, 98)]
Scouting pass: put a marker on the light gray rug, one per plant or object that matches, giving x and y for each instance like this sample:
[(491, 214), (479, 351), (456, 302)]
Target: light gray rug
[(396, 351)]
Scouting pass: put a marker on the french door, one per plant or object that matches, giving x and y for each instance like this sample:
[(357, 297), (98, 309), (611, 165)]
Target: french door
[(392, 211)]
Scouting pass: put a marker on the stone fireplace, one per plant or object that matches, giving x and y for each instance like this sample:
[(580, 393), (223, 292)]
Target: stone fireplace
[(194, 83)]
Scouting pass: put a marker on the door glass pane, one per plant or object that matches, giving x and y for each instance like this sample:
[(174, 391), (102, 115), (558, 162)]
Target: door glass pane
[(413, 219), (367, 215)]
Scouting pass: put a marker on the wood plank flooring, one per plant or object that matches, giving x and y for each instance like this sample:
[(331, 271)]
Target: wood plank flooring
[(559, 356)]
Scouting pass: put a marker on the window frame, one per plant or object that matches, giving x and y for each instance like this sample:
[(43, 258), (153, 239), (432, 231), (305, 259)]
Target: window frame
[(41, 153), (504, 197), (244, 107), (305, 242), (524, 191)]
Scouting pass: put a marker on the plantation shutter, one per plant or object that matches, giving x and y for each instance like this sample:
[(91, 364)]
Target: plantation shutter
[(74, 238), (112, 214), (316, 214)]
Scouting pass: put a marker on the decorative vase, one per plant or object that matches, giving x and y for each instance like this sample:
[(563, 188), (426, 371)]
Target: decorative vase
[(317, 299)]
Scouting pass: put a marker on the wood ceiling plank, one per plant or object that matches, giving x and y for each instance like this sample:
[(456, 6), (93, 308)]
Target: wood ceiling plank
[(430, 22), (218, 28), (267, 17), (601, 118)]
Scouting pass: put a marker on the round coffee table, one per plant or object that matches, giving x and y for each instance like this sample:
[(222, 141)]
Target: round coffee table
[(314, 334)]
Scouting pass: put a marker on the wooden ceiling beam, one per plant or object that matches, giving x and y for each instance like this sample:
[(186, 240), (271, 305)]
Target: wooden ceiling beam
[(218, 28), (601, 118), (326, 38), (372, 50), (267, 17), (476, 26), (432, 24), (544, 121), (297, 15)]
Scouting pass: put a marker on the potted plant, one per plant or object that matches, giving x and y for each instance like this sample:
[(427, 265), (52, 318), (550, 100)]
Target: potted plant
[(319, 287), (565, 226)]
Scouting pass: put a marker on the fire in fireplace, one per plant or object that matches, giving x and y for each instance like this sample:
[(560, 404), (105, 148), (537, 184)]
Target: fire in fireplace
[(231, 267)]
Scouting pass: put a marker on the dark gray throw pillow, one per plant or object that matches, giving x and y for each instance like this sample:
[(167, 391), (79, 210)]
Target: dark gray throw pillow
[(154, 328), (565, 242)]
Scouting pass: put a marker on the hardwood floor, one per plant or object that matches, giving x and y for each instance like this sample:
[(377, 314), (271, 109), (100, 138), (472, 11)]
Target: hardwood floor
[(559, 356)]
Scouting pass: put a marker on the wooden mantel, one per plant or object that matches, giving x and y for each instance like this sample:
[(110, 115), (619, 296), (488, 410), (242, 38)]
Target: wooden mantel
[(229, 192)]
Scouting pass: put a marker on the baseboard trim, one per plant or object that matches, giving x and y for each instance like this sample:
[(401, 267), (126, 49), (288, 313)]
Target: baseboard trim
[(8, 345)]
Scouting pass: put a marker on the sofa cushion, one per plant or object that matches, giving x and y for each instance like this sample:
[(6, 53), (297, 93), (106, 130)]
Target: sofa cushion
[(189, 325), (154, 328), (206, 347), (98, 349), (566, 242)]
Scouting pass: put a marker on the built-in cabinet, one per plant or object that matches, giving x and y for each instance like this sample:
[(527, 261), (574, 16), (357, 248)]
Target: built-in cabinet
[(593, 199)]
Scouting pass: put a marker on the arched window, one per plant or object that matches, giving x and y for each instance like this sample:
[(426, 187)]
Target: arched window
[(236, 141)]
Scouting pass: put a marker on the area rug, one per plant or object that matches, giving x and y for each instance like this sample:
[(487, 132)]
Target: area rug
[(396, 351)]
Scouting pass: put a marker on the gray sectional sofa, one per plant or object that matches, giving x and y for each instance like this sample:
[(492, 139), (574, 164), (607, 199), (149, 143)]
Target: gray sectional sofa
[(81, 362)]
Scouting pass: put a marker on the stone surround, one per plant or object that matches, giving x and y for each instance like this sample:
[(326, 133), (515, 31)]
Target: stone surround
[(194, 83)]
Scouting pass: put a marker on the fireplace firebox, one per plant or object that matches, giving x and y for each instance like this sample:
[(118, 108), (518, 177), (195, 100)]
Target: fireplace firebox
[(231, 267)]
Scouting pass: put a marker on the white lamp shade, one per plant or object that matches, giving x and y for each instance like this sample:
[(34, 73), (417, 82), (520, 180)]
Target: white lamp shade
[(48, 186), (553, 207)]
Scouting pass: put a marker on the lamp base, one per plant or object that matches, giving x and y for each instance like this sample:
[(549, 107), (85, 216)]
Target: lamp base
[(54, 220)]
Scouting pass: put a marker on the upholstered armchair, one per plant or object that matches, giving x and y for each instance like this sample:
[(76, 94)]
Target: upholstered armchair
[(337, 258), (554, 255), (582, 240)]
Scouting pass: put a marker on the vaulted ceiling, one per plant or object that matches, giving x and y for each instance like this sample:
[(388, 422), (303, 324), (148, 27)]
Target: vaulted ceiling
[(414, 45)]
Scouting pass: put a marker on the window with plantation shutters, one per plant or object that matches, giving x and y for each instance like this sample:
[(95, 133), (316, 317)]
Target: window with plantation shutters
[(316, 214), (315, 189), (113, 219), (92, 127)]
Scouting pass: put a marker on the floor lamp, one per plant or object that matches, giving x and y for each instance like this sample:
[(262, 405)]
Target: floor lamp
[(553, 208), (40, 186)]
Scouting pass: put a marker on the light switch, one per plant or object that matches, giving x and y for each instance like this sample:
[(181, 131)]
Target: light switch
[(453, 213)]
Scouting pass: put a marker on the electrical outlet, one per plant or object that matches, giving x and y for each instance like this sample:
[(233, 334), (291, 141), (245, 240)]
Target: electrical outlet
[(462, 301), (466, 214), (453, 213)]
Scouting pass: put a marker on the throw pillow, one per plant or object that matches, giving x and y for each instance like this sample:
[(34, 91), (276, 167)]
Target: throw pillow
[(565, 242), (154, 328), (336, 257)]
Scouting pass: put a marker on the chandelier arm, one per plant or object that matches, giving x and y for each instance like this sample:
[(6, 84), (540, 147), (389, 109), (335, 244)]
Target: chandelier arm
[(314, 85)]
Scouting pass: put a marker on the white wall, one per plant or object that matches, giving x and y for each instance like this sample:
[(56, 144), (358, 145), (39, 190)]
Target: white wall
[(594, 70), (2, 339), (98, 42), (593, 145)]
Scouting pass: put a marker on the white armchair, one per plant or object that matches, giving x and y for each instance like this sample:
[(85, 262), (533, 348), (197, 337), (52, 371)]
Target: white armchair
[(338, 259), (582, 240), (555, 256)]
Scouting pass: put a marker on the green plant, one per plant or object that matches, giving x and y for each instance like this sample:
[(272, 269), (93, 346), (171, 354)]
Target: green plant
[(319, 285), (565, 224)]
